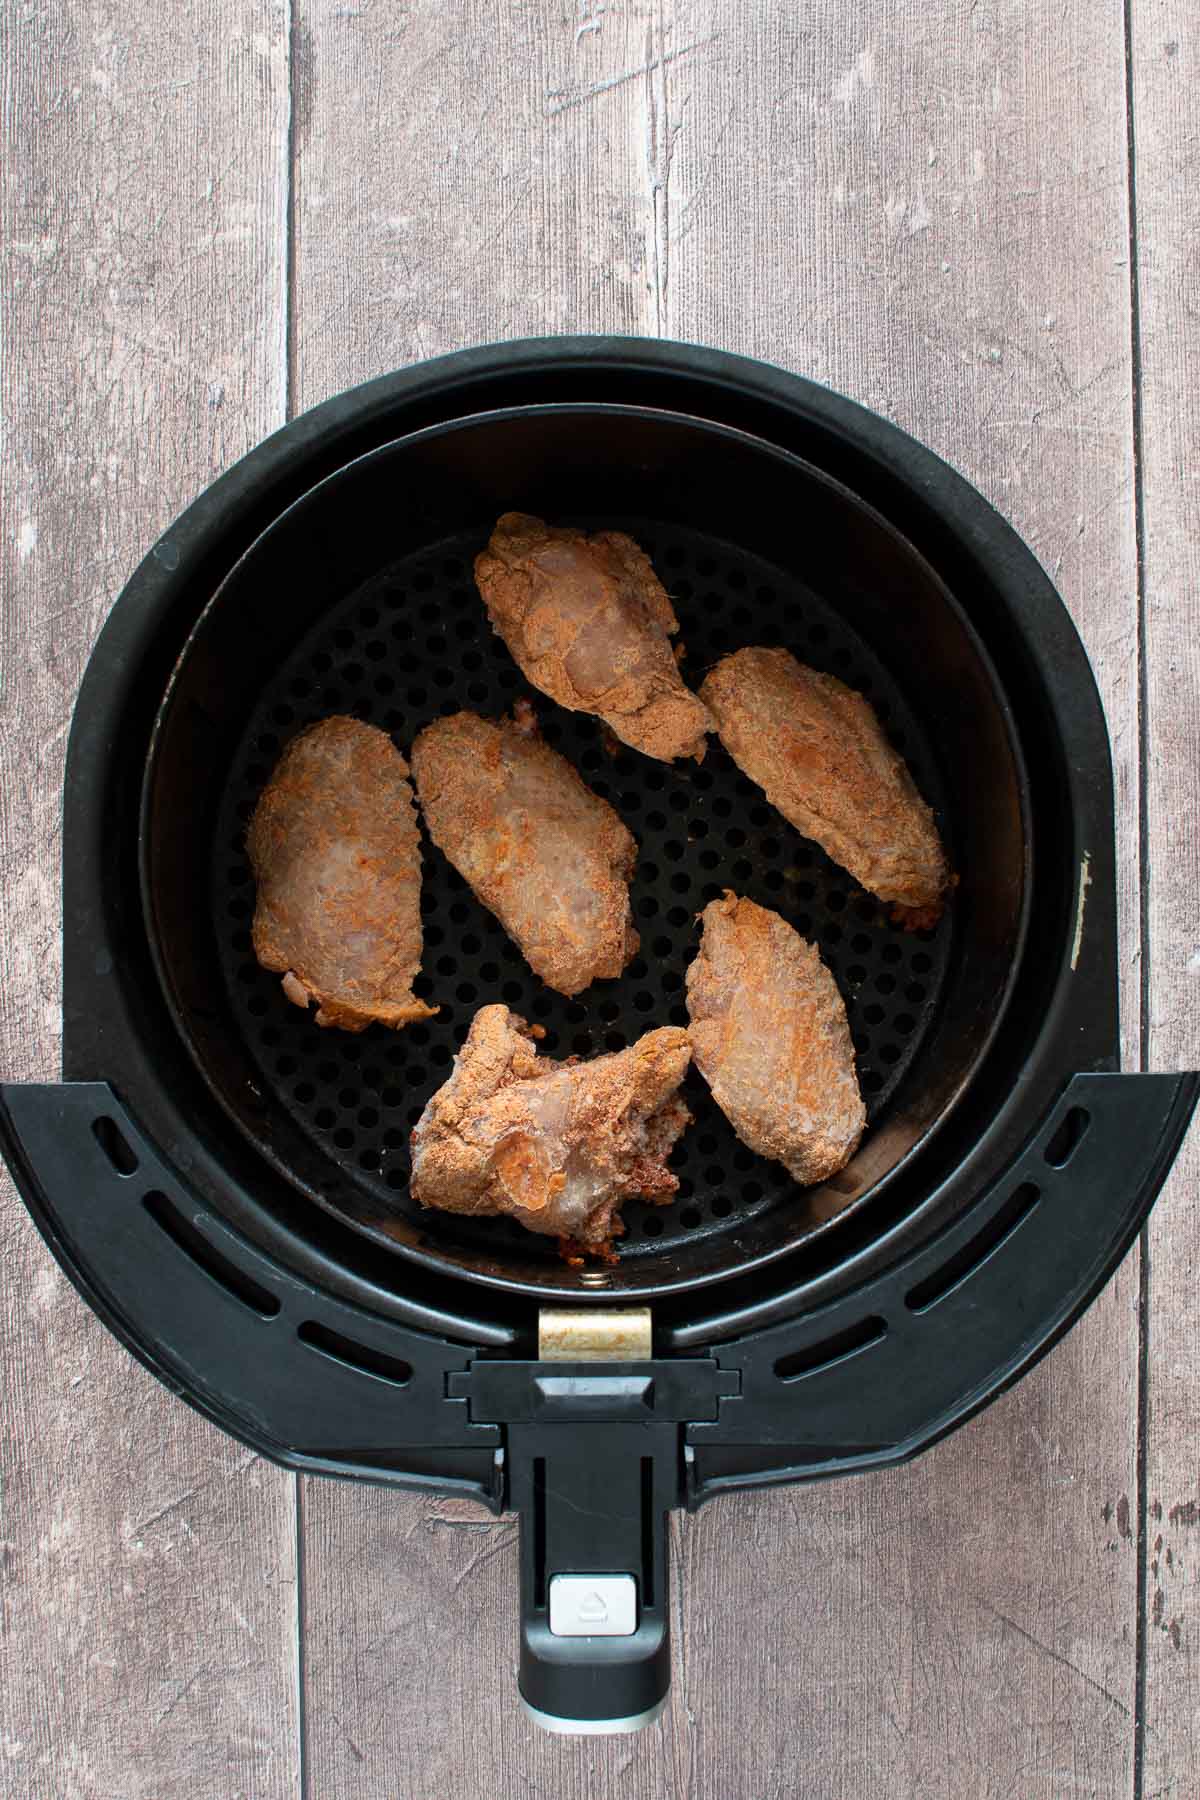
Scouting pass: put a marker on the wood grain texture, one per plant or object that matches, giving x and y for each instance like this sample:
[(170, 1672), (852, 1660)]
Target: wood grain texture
[(924, 206), (146, 1562), (411, 1663), (1166, 119), (939, 228), (933, 219), (927, 209), (464, 173)]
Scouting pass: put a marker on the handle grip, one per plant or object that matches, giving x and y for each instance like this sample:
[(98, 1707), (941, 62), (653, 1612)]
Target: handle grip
[(595, 1640)]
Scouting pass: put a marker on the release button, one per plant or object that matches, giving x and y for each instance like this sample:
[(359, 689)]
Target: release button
[(593, 1605)]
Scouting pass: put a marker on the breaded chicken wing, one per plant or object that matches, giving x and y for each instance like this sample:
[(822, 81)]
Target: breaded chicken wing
[(336, 855), (550, 858), (770, 1036), (589, 622), (557, 1146), (818, 750)]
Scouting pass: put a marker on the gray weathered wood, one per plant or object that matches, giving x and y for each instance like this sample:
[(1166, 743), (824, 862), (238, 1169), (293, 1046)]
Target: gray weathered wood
[(147, 1562), (927, 209), (936, 224), (1166, 115), (464, 173)]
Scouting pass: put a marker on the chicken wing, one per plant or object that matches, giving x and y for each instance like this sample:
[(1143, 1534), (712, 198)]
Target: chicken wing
[(769, 1035), (550, 858), (818, 750), (336, 855), (589, 622), (557, 1146)]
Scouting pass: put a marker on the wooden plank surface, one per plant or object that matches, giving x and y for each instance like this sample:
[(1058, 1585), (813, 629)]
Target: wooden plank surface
[(146, 1562), (928, 212), (464, 174), (467, 175), (925, 207), (1166, 118)]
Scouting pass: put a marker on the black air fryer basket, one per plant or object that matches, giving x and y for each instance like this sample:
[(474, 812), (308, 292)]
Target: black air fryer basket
[(227, 1185)]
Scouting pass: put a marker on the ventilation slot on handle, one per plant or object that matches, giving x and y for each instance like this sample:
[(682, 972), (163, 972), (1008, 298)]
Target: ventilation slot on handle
[(359, 1357), (206, 1256), (114, 1144), (648, 1526), (539, 1531), (985, 1243), (831, 1350), (1067, 1138)]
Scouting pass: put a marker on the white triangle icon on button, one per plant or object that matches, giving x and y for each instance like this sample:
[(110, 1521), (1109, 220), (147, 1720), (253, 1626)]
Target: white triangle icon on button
[(593, 1605)]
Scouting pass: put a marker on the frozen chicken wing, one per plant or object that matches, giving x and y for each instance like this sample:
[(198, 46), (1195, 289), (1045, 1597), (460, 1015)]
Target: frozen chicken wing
[(551, 859), (818, 750), (770, 1036), (336, 857), (557, 1146), (590, 624)]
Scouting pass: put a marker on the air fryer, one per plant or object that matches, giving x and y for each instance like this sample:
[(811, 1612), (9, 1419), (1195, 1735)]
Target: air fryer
[(227, 1185)]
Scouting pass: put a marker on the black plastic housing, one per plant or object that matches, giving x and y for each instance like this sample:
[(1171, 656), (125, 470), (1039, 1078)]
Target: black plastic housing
[(593, 1456)]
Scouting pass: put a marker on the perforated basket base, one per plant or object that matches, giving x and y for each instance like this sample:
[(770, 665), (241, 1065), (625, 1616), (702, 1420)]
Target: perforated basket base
[(415, 643)]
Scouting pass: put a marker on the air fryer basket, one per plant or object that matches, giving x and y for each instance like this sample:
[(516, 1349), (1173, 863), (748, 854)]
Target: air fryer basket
[(226, 1184), (361, 599)]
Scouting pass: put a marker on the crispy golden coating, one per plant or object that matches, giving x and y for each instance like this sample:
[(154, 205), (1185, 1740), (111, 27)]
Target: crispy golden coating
[(590, 624), (820, 753), (769, 1035), (550, 858), (337, 859), (556, 1146)]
